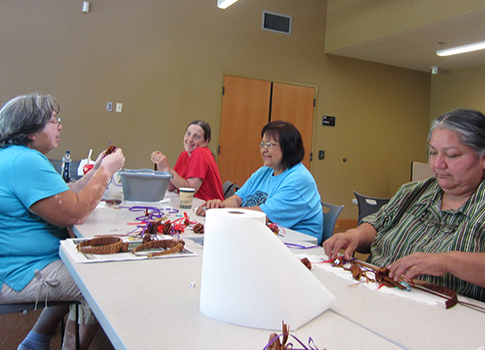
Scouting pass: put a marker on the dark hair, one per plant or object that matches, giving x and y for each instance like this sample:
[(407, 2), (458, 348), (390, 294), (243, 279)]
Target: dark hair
[(205, 127), (23, 116), (468, 123), (289, 139)]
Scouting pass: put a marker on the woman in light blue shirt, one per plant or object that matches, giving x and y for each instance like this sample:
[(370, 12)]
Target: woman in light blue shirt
[(282, 188)]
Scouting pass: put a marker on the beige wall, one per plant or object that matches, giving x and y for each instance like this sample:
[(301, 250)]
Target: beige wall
[(382, 123), (464, 88), (164, 60)]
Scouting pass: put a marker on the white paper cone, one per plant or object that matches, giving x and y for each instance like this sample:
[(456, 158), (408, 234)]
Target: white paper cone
[(250, 278)]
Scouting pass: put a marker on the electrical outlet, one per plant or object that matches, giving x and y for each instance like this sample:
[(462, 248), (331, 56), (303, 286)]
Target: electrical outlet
[(109, 107), (119, 107)]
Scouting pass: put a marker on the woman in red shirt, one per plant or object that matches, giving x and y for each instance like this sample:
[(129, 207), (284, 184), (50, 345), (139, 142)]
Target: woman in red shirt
[(196, 167)]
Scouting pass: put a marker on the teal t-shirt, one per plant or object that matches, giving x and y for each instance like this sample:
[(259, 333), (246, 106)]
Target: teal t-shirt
[(27, 242), (290, 199)]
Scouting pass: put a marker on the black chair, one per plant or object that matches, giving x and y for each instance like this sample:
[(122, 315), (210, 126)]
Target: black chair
[(21, 307), (369, 205), (57, 164), (74, 165), (329, 220), (229, 188)]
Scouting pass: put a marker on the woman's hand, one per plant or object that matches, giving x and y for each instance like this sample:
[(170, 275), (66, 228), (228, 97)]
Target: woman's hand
[(232, 202), (418, 264), (113, 162), (210, 204), (73, 207), (160, 160), (463, 265), (356, 239), (98, 161), (345, 240), (100, 158)]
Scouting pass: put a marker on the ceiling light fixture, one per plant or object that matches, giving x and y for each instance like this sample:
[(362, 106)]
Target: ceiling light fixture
[(222, 4), (461, 49)]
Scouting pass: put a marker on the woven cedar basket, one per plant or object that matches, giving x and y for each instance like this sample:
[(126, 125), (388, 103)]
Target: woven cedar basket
[(101, 245), (163, 243), (178, 248)]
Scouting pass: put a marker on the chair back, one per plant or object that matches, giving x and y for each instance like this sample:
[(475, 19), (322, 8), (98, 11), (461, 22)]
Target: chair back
[(57, 164), (420, 171), (229, 188), (329, 220), (369, 205), (74, 165)]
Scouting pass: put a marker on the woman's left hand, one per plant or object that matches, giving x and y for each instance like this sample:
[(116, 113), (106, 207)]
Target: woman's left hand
[(418, 264)]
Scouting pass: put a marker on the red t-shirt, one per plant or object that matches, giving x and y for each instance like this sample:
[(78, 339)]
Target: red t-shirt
[(201, 164)]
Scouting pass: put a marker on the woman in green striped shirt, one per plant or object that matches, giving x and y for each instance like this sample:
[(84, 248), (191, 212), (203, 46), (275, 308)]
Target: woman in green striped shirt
[(434, 229)]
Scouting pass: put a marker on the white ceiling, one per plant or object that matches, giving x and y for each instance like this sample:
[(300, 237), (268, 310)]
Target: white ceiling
[(416, 48)]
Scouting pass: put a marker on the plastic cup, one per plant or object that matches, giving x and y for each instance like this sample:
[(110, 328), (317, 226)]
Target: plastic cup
[(186, 197)]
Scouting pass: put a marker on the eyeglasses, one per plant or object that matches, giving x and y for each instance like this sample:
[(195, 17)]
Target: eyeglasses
[(267, 145), (57, 122), (445, 228)]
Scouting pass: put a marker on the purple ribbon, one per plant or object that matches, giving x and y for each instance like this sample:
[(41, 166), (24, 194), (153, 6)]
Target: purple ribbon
[(299, 246), (153, 214)]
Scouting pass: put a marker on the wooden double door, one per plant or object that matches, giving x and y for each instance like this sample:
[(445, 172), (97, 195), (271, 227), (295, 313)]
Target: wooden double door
[(247, 106)]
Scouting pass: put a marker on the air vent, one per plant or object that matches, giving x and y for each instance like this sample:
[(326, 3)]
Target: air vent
[(276, 22)]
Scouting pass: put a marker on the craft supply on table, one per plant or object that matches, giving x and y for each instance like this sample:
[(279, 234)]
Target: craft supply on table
[(144, 185), (154, 221), (186, 197), (417, 290), (284, 341), (89, 250)]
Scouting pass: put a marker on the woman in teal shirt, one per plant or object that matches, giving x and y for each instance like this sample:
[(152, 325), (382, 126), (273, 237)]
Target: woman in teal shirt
[(36, 206)]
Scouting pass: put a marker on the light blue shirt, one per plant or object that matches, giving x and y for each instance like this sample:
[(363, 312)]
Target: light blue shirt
[(27, 242), (290, 199)]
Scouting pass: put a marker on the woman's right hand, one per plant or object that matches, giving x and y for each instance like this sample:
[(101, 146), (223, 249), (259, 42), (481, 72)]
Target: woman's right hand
[(210, 204), (345, 240), (356, 239), (160, 160), (113, 162)]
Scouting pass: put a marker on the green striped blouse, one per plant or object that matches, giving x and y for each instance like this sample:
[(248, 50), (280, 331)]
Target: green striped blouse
[(413, 221)]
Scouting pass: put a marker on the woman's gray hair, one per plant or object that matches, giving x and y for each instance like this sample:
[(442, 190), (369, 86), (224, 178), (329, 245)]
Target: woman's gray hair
[(468, 123), (23, 116)]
